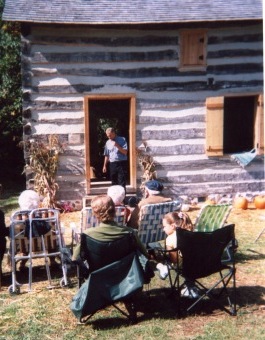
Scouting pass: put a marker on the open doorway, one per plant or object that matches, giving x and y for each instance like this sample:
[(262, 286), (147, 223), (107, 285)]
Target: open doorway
[(101, 112), (239, 119), (104, 114), (234, 124)]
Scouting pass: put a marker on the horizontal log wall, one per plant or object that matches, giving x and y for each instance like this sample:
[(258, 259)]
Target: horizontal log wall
[(63, 63)]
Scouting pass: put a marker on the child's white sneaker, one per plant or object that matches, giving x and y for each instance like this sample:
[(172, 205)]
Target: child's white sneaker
[(190, 292), (163, 270)]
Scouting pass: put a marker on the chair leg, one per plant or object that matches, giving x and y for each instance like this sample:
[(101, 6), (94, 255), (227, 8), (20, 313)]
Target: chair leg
[(233, 308), (209, 293), (80, 276), (259, 235), (84, 320), (130, 306)]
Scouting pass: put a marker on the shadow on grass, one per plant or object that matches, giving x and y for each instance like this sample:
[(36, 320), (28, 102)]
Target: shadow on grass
[(251, 255), (159, 304), (151, 304), (39, 275)]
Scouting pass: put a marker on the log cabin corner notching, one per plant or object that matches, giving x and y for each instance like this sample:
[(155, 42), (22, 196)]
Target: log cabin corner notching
[(185, 77)]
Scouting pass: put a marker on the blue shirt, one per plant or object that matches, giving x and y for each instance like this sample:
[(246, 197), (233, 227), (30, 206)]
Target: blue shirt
[(113, 153)]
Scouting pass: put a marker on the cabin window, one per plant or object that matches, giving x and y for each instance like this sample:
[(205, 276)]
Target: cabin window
[(101, 112), (234, 124), (193, 49)]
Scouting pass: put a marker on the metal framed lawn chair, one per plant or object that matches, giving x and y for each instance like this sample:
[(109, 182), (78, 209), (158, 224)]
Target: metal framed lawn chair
[(88, 220), (212, 217), (151, 216)]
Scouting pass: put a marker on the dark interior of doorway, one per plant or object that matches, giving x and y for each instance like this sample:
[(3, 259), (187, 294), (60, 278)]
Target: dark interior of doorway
[(104, 113), (239, 113)]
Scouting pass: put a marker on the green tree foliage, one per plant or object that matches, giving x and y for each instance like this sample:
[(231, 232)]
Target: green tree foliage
[(11, 156)]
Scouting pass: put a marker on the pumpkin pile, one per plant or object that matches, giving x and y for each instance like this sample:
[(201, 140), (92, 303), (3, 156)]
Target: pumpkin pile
[(241, 202)]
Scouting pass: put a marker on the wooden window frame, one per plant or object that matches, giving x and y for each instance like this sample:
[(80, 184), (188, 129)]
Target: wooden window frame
[(190, 51), (132, 136), (215, 125)]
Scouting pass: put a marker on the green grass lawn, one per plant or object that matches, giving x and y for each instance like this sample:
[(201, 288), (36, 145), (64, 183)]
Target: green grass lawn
[(9, 195), (9, 204), (45, 314)]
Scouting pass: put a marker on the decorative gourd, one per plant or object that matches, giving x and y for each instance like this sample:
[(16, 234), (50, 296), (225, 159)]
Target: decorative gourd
[(241, 203), (259, 202), (185, 207), (210, 201)]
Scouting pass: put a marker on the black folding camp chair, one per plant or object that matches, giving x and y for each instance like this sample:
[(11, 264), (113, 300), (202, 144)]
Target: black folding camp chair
[(114, 274), (200, 257), (212, 217)]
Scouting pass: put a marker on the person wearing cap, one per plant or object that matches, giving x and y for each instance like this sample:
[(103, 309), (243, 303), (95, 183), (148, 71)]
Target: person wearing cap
[(115, 153), (152, 195)]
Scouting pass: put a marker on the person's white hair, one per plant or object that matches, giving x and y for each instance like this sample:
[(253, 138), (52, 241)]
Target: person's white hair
[(152, 192), (28, 200), (116, 193)]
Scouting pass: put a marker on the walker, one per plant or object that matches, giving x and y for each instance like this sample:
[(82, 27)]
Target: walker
[(36, 234)]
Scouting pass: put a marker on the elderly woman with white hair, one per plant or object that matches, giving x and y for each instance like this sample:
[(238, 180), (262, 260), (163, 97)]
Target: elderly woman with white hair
[(117, 194), (30, 200)]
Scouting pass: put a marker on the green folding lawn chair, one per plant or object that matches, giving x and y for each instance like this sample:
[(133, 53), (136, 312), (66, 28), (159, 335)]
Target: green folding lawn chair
[(212, 217)]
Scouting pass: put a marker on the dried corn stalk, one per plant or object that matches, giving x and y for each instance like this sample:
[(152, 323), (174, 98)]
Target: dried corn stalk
[(43, 160), (147, 164)]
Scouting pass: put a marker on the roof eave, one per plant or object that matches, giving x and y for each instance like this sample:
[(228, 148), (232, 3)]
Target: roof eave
[(132, 23)]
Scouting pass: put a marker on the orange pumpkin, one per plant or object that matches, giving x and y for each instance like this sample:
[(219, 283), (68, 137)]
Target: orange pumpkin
[(241, 203), (259, 202)]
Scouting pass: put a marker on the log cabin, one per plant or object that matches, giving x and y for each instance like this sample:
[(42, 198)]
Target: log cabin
[(182, 80)]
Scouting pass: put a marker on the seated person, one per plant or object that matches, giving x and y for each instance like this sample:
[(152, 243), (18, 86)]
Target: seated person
[(30, 200), (117, 193), (104, 209), (152, 195), (171, 222), (4, 231)]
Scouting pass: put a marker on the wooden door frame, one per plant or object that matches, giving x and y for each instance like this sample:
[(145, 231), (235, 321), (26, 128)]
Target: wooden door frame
[(132, 136)]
